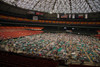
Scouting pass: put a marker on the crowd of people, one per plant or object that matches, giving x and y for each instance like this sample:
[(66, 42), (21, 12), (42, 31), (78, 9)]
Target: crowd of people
[(56, 46)]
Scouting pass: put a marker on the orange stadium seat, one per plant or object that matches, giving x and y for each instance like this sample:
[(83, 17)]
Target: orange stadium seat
[(97, 22), (3, 17), (20, 19), (12, 18), (49, 21)]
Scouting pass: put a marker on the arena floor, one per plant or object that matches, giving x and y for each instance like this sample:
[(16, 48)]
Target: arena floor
[(72, 48)]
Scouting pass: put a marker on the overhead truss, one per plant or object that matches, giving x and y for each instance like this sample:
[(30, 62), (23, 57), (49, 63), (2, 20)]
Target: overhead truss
[(58, 6)]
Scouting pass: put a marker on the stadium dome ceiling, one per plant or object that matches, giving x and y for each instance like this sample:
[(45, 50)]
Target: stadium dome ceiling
[(58, 6)]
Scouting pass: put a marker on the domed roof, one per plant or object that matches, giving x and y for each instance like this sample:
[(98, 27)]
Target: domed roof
[(58, 6)]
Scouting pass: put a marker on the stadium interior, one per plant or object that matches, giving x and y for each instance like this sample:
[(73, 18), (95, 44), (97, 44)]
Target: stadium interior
[(49, 33)]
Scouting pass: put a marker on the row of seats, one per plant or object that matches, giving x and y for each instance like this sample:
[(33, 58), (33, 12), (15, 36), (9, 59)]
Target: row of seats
[(15, 34), (7, 27), (98, 36), (45, 21)]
